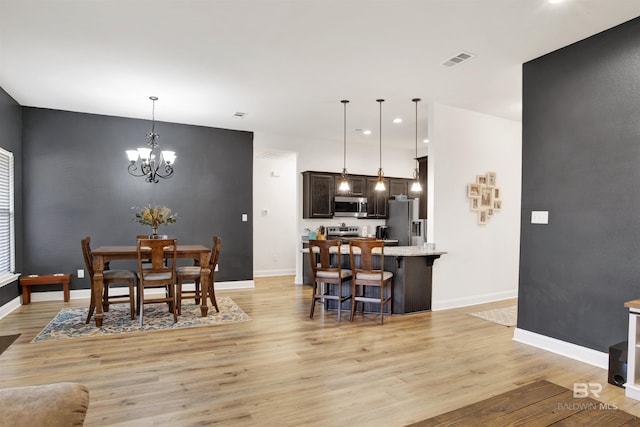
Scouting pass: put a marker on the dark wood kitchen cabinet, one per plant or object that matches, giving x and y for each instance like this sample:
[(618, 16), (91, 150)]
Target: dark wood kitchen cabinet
[(398, 186), (357, 186), (317, 194), (422, 208), (377, 201)]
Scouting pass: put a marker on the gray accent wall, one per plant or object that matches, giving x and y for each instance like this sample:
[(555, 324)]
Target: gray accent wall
[(581, 162), (11, 140), (76, 184)]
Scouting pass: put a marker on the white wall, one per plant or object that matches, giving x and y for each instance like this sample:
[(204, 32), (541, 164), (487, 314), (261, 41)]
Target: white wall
[(274, 215), (482, 260)]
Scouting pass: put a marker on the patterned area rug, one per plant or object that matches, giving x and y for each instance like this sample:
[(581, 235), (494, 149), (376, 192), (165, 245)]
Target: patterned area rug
[(70, 322), (507, 316)]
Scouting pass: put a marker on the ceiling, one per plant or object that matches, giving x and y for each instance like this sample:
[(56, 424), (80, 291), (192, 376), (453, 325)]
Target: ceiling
[(286, 63)]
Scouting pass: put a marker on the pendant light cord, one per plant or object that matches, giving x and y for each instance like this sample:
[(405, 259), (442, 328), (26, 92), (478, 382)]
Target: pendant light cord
[(344, 158), (416, 100), (380, 101)]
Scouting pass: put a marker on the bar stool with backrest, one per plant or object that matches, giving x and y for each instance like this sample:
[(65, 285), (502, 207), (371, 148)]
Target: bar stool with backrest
[(161, 272), (366, 277), (192, 272), (327, 273), (111, 277)]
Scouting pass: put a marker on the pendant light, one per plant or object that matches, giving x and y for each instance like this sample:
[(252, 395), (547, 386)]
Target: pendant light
[(344, 184), (416, 187), (380, 182)]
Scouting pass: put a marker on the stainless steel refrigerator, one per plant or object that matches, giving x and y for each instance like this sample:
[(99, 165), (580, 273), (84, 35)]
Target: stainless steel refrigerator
[(404, 224)]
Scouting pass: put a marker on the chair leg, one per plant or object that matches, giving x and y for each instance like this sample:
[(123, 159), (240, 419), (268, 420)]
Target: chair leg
[(313, 299), (354, 294), (172, 292), (92, 306), (140, 302), (212, 297), (339, 285), (132, 303), (105, 298), (179, 295), (197, 291)]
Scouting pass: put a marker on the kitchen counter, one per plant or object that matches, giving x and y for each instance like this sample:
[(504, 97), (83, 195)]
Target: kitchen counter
[(411, 267)]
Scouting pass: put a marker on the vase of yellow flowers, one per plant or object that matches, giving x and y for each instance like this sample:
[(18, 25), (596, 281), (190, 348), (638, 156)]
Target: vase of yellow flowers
[(154, 216)]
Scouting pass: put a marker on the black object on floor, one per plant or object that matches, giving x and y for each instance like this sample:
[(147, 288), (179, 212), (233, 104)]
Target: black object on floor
[(6, 341)]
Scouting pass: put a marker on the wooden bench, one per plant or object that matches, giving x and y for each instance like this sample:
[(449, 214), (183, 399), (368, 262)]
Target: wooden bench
[(46, 279)]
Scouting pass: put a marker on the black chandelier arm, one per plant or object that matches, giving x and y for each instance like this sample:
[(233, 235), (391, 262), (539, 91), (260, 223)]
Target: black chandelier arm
[(133, 168)]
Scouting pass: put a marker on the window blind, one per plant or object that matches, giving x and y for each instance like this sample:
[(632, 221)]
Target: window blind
[(7, 233)]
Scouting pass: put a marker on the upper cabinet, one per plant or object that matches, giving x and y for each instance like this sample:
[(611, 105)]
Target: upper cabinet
[(399, 186), (320, 188), (422, 204), (317, 194), (377, 201), (357, 186)]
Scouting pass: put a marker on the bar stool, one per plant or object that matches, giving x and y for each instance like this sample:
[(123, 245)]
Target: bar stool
[(326, 273), (367, 277)]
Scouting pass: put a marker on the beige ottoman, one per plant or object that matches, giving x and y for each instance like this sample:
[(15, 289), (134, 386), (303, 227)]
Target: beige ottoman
[(51, 405)]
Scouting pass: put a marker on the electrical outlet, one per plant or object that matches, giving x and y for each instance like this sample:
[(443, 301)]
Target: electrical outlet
[(216, 269), (80, 273)]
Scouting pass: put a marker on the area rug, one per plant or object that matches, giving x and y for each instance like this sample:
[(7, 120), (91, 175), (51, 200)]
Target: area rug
[(540, 403), (70, 323), (507, 316), (6, 341)]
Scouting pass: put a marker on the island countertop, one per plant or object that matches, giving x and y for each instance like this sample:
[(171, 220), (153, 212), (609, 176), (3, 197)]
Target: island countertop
[(392, 251)]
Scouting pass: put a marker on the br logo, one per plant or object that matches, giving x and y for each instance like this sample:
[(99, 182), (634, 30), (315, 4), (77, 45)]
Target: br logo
[(582, 390)]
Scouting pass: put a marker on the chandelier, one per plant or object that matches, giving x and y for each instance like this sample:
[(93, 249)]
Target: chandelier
[(149, 162)]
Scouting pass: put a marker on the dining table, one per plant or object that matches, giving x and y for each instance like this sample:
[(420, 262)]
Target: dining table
[(103, 255)]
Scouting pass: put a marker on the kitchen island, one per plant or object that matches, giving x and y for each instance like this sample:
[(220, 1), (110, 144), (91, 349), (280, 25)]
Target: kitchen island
[(411, 267)]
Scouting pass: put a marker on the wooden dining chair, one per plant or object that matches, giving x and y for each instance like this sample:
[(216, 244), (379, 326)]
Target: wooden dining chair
[(369, 284), (192, 272), (327, 273), (111, 277), (158, 274)]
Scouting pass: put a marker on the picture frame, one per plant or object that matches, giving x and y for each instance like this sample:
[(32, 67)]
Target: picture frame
[(497, 205), (490, 212), (481, 179), (473, 190), (475, 203), (496, 193), (491, 179), (482, 217), (486, 197)]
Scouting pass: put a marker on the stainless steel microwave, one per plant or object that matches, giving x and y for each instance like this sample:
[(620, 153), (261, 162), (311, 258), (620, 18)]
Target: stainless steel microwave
[(355, 207)]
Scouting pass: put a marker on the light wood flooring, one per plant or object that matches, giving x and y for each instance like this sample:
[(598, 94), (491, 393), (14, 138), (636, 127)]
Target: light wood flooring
[(282, 368)]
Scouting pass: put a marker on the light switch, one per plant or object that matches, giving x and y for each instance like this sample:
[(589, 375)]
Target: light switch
[(80, 273), (539, 217), (244, 217)]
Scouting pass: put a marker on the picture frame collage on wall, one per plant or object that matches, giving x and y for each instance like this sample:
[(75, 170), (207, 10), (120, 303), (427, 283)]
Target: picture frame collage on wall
[(485, 196)]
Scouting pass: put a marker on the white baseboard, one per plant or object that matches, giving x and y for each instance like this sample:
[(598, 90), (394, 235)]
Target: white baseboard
[(472, 300), (270, 273), (563, 348), (10, 306)]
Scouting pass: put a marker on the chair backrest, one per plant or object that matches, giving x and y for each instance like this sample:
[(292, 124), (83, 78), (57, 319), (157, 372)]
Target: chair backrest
[(157, 250), (86, 254), (323, 255), (215, 254), (366, 248)]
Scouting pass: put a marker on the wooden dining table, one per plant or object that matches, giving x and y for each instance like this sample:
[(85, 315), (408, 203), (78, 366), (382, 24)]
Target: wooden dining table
[(105, 254)]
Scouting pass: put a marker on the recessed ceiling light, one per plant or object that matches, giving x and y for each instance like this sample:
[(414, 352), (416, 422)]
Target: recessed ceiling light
[(554, 1), (240, 115), (397, 120), (426, 141), (366, 132)]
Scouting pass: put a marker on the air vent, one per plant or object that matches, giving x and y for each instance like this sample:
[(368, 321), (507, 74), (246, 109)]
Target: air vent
[(240, 115), (458, 59)]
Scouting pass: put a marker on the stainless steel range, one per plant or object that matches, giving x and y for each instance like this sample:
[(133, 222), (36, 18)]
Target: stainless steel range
[(342, 231)]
